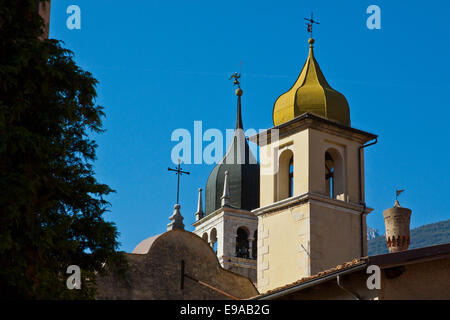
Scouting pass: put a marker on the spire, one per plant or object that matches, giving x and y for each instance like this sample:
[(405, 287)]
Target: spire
[(242, 167), (239, 115), (199, 214), (176, 219), (236, 76), (226, 192), (311, 93)]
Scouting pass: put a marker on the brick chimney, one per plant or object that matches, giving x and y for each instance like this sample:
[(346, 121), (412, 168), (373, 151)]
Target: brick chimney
[(397, 221)]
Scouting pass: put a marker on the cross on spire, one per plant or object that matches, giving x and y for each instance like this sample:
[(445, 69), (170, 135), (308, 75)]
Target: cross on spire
[(310, 24), (178, 171)]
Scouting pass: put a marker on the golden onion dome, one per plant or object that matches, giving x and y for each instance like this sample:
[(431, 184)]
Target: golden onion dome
[(311, 93)]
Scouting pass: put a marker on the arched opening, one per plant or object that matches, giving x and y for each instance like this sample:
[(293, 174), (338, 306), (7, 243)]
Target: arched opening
[(334, 175), (213, 239), (205, 237), (286, 175), (291, 177), (242, 243), (329, 174), (255, 245)]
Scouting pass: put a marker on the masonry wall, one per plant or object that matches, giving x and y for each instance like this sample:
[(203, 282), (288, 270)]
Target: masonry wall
[(157, 274), (226, 222)]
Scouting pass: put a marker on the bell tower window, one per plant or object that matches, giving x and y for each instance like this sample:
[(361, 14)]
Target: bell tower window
[(334, 175), (242, 244), (291, 177), (213, 239), (329, 175), (285, 175)]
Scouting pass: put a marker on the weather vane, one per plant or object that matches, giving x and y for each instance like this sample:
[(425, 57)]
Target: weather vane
[(178, 172), (236, 77), (397, 193), (310, 24)]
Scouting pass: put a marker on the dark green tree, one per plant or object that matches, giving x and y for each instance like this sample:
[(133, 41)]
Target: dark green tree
[(51, 205)]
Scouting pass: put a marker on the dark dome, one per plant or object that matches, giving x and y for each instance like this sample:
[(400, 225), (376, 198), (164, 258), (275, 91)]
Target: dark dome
[(243, 176)]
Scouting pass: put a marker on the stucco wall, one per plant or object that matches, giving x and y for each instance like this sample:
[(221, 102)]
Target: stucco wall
[(348, 149), (427, 280), (417, 281), (156, 274), (335, 236), (281, 259), (329, 233), (309, 147)]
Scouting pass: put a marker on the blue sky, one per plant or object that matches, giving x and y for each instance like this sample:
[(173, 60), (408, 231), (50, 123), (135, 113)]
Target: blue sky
[(164, 64)]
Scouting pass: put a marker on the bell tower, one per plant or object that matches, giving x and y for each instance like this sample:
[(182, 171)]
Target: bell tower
[(312, 213), (231, 193)]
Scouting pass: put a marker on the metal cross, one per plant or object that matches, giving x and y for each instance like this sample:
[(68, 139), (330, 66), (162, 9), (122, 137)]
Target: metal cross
[(310, 24), (178, 172)]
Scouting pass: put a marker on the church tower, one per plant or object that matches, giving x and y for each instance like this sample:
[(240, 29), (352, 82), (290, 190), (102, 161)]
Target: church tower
[(312, 213), (232, 191)]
